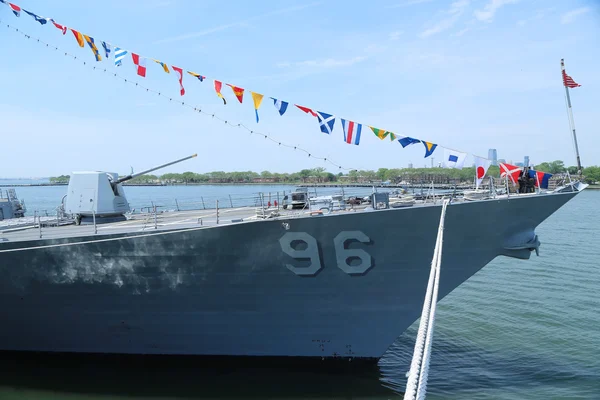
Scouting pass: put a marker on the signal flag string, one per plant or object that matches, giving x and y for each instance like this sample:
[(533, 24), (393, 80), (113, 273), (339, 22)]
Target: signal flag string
[(194, 108)]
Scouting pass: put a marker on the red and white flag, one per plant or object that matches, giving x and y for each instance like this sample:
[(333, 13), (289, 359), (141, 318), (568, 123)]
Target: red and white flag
[(59, 26), (140, 64), (15, 9), (481, 167), (307, 110), (179, 72), (512, 171)]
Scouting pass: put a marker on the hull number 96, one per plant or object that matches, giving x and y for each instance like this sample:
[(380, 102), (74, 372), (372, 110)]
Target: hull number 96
[(303, 247)]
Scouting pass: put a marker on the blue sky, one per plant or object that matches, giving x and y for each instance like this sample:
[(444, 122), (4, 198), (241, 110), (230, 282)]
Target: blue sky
[(466, 74)]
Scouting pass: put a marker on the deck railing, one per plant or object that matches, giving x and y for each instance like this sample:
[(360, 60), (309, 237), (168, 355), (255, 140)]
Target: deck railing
[(260, 200)]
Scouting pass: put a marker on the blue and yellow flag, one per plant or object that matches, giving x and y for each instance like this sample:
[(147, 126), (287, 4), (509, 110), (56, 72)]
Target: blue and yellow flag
[(90, 41), (407, 141), (163, 65), (201, 78), (429, 148), (257, 98)]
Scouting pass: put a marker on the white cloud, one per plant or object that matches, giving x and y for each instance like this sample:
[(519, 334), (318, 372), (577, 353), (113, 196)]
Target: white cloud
[(235, 24), (197, 34), (488, 12), (570, 16), (461, 32), (458, 6), (409, 3), (375, 48), (395, 35), (454, 12), (439, 27), (540, 14), (327, 63)]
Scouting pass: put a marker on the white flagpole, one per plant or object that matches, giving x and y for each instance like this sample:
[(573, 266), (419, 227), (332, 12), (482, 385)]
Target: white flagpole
[(571, 120)]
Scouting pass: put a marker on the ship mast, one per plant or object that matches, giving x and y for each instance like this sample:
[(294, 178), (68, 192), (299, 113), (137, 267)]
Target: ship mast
[(566, 78)]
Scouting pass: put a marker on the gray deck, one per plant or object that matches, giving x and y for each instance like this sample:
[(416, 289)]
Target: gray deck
[(147, 222), (26, 229)]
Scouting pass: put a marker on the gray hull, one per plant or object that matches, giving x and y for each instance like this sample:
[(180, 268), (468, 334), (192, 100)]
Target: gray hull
[(251, 289)]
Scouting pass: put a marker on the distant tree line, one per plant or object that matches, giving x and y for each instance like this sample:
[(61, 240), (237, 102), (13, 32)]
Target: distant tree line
[(59, 179), (591, 174), (320, 175)]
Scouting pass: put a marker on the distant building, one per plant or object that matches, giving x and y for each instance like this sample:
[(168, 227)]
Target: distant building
[(410, 165), (526, 161), (519, 164), (502, 160), (493, 155)]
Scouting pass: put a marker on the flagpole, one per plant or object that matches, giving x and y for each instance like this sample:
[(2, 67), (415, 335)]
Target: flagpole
[(571, 120)]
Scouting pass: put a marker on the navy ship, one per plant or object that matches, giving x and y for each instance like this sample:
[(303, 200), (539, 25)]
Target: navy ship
[(248, 281)]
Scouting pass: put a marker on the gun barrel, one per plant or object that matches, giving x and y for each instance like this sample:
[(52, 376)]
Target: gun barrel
[(131, 176)]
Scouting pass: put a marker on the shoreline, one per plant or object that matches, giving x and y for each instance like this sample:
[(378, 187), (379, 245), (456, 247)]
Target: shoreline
[(297, 184)]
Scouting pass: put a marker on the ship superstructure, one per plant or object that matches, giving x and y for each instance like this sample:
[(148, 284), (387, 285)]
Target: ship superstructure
[(10, 205)]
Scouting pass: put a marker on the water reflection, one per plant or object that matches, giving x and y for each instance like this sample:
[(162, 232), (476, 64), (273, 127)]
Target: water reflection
[(458, 369), (121, 377)]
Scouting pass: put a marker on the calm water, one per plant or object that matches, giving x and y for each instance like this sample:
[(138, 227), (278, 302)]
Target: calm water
[(516, 330)]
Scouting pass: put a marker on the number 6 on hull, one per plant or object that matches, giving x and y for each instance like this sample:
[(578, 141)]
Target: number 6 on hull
[(343, 254)]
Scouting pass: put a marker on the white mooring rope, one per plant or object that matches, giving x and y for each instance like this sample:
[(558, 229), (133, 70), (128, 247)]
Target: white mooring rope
[(416, 384)]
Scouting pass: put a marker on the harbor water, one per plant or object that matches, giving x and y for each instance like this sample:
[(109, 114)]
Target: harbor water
[(518, 329)]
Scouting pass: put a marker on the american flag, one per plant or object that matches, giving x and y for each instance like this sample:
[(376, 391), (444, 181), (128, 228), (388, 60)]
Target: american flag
[(568, 81)]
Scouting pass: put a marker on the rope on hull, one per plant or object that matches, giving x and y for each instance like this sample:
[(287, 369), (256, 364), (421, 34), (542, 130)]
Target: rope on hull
[(416, 385)]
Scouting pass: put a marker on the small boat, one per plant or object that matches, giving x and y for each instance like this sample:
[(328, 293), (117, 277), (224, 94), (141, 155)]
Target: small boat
[(297, 199), (476, 194), (327, 203), (402, 201)]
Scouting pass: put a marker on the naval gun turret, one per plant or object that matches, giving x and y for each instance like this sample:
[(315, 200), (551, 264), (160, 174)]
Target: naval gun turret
[(100, 195)]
